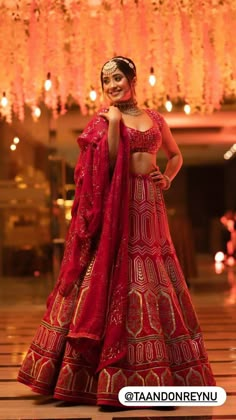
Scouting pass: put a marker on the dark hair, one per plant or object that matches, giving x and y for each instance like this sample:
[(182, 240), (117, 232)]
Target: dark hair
[(124, 64)]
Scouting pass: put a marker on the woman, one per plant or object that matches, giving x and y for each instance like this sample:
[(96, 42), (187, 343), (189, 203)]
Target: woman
[(120, 313)]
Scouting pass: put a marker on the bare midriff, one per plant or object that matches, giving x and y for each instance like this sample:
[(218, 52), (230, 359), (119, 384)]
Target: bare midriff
[(142, 162)]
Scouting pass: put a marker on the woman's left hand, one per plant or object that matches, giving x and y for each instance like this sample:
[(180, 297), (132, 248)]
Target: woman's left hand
[(159, 179)]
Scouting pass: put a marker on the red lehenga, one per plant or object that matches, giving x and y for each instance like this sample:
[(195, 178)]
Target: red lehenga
[(120, 313)]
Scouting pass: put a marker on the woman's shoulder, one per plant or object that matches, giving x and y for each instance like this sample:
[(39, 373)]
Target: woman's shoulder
[(97, 122), (94, 130)]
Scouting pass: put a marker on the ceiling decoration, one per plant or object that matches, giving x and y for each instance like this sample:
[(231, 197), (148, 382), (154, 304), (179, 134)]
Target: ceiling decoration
[(188, 45)]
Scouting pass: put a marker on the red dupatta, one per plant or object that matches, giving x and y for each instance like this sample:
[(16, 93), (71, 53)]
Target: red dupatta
[(99, 227)]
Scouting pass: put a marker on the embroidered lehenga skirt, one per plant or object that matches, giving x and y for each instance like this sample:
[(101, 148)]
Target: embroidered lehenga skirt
[(164, 342)]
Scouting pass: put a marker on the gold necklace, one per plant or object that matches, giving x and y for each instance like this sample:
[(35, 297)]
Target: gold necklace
[(129, 107)]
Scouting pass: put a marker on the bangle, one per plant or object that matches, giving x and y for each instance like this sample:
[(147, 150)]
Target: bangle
[(168, 182)]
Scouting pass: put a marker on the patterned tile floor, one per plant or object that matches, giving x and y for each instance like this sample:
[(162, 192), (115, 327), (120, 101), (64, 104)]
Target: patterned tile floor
[(22, 304)]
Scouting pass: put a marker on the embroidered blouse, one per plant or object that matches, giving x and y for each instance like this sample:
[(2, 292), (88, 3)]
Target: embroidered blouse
[(149, 140)]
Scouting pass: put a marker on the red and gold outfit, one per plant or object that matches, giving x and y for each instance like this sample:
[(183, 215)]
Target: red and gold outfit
[(120, 313)]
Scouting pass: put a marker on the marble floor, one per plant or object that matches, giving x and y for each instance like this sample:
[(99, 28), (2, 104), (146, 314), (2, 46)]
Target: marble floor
[(22, 305)]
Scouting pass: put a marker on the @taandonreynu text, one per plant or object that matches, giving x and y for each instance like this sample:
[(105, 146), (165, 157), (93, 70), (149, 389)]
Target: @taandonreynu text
[(172, 396)]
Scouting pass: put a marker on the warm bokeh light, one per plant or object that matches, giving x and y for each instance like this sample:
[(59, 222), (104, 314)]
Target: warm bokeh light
[(93, 95), (47, 85), (219, 256), (228, 155), (16, 140), (152, 77), (22, 186), (187, 109), (230, 152), (68, 203), (60, 201), (48, 82), (13, 147), (186, 48), (68, 214), (18, 178), (36, 111), (4, 100), (230, 261), (219, 267), (68, 206), (36, 273), (168, 105)]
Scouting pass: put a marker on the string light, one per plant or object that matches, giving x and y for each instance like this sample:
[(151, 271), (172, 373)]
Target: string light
[(187, 109), (230, 152), (219, 262), (48, 82), (36, 112), (219, 267), (13, 147), (219, 256), (16, 140), (228, 155), (4, 100), (93, 94), (168, 104), (152, 77)]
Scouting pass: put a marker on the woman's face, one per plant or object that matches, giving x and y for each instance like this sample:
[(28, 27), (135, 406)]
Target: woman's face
[(116, 87)]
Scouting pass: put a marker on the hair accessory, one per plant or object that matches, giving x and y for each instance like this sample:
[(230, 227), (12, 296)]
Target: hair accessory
[(126, 61), (109, 67)]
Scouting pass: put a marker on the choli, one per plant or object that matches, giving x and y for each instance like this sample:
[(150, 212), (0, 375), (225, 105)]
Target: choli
[(149, 140)]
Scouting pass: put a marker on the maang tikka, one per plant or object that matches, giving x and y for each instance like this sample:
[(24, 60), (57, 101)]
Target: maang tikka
[(109, 67)]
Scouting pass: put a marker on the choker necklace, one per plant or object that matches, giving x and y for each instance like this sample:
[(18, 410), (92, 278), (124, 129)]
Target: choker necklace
[(129, 107)]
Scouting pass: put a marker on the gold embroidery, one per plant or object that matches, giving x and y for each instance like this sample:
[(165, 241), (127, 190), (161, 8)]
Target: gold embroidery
[(152, 379), (118, 381), (134, 322), (104, 380)]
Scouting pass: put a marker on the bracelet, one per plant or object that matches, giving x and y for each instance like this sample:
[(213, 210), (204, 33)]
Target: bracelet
[(168, 182)]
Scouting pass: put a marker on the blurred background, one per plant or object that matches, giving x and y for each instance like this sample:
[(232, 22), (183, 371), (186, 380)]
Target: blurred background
[(50, 59)]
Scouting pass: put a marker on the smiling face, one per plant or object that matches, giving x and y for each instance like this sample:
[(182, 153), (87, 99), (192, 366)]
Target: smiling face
[(117, 87)]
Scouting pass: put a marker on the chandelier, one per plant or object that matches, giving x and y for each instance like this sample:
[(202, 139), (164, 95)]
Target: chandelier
[(52, 51)]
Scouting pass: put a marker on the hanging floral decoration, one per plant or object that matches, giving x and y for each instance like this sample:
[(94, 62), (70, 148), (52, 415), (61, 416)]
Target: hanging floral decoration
[(190, 45)]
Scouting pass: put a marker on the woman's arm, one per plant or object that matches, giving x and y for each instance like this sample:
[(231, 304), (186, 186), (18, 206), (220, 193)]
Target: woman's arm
[(113, 116), (172, 152), (174, 157)]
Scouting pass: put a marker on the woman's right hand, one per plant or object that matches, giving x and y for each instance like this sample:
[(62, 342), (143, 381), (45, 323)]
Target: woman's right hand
[(111, 114)]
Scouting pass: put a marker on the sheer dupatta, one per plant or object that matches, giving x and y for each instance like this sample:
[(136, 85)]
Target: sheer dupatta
[(99, 232)]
